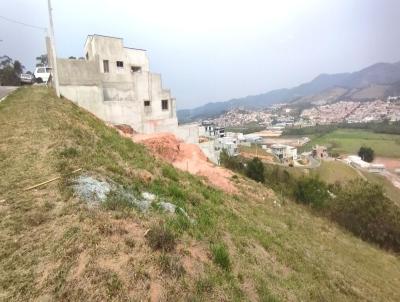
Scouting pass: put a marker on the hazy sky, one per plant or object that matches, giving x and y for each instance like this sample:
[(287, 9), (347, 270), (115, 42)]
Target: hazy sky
[(214, 50)]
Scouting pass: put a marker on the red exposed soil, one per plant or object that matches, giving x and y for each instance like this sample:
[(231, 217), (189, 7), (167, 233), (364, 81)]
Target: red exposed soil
[(164, 145), (126, 129), (187, 157)]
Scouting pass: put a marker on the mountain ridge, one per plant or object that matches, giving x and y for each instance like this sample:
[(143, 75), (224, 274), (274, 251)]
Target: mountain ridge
[(380, 74)]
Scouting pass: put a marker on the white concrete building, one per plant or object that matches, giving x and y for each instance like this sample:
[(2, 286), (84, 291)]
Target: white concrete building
[(252, 138), (114, 82), (229, 144), (210, 130), (284, 152), (357, 162), (236, 135)]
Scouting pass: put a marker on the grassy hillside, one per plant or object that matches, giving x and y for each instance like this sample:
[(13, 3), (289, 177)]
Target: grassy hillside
[(390, 190), (349, 141), (337, 171), (332, 171), (249, 246)]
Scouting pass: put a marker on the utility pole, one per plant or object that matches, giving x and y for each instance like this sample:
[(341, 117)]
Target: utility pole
[(53, 51)]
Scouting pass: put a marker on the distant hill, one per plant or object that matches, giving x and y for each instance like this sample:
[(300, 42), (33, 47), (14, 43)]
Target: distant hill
[(378, 80)]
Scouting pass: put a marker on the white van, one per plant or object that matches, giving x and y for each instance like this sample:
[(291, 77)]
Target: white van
[(42, 74)]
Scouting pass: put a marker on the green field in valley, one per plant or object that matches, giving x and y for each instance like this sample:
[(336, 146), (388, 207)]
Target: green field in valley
[(349, 141)]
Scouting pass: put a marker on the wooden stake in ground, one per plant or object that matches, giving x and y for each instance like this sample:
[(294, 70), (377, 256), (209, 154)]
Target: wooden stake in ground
[(50, 180)]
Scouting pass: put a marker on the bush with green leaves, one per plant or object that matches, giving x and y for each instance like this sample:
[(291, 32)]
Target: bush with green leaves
[(362, 208), (230, 162), (311, 190), (366, 153), (255, 170)]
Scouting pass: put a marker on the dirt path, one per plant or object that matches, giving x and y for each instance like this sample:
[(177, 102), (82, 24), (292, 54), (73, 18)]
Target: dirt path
[(393, 178), (391, 164)]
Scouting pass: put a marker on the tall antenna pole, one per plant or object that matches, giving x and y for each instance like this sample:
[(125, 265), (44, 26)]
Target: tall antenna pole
[(53, 51)]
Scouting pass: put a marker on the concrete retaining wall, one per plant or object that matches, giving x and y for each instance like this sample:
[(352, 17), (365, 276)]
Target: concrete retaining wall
[(78, 72)]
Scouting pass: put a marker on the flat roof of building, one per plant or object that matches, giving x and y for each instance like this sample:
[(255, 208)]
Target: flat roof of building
[(278, 146), (111, 37)]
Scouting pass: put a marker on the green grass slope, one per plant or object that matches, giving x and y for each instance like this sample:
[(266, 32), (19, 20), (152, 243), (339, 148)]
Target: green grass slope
[(337, 171), (333, 171), (242, 247), (349, 141)]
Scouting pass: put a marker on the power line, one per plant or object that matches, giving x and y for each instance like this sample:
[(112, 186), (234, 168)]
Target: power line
[(23, 24)]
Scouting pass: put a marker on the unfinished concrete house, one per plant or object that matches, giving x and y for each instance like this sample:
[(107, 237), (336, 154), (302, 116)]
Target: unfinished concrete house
[(114, 83)]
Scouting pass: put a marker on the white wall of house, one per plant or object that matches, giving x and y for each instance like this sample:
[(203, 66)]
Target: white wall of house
[(126, 93), (284, 151)]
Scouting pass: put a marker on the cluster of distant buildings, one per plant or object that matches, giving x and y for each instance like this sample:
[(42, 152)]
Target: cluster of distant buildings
[(266, 117), (214, 139), (354, 112), (281, 116), (239, 117)]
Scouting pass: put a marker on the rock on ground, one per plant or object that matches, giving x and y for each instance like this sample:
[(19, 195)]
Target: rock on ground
[(91, 190)]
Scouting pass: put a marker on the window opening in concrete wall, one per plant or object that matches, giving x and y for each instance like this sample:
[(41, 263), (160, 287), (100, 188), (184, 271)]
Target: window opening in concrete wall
[(164, 104), (105, 66), (120, 64), (146, 103), (136, 69)]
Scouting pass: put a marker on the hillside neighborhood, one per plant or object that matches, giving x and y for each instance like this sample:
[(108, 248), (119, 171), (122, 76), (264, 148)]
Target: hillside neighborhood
[(342, 111)]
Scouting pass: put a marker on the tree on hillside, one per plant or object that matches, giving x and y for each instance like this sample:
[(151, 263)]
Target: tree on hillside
[(42, 60), (72, 58), (255, 170), (366, 153)]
